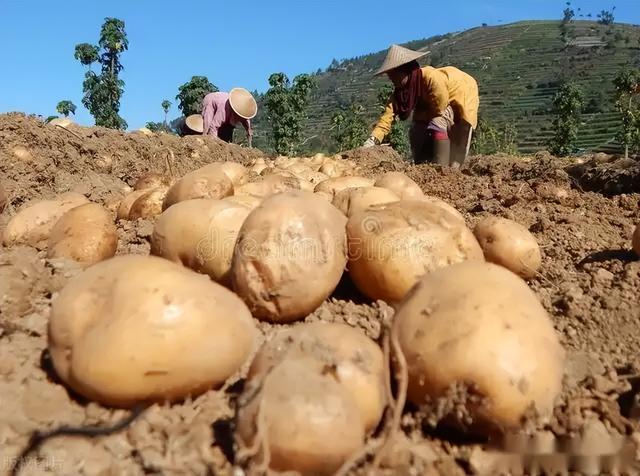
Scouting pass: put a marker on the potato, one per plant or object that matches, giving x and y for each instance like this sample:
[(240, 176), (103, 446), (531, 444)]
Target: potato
[(236, 172), (290, 256), (200, 234), (316, 177), (456, 327), (357, 360), (61, 122), (284, 162), (4, 198), (441, 204), (245, 200), (22, 153), (391, 246), (335, 185), (32, 224), (151, 180), (149, 204), (332, 169), (308, 421), (209, 181), (85, 234), (325, 196), (299, 169), (509, 244), (268, 186), (636, 240), (124, 209), (141, 328), (352, 200), (401, 185), (306, 185)]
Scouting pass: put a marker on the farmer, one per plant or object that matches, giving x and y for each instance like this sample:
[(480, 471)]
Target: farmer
[(444, 102), (221, 112)]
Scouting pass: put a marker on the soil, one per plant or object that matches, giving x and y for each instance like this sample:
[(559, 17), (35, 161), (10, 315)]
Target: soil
[(582, 213)]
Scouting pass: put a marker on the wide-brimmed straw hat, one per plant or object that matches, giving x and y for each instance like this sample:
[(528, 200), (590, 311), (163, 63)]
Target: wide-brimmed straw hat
[(397, 56), (195, 122), (243, 103)]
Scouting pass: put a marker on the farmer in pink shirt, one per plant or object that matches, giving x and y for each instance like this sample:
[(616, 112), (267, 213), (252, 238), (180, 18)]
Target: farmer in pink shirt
[(222, 112)]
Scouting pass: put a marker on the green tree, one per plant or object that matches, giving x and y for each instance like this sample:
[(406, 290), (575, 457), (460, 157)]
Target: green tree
[(286, 105), (397, 136), (349, 127), (86, 53), (65, 108), (491, 138), (102, 92), (191, 94), (627, 84), (605, 17), (567, 108), (166, 105)]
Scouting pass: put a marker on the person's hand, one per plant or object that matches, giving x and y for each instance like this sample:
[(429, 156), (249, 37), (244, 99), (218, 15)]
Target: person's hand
[(370, 142)]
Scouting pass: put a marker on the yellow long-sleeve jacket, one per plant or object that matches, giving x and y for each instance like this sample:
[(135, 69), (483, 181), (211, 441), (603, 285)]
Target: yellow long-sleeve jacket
[(440, 87)]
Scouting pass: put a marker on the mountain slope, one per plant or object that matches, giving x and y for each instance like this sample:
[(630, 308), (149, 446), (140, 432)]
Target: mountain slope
[(518, 67)]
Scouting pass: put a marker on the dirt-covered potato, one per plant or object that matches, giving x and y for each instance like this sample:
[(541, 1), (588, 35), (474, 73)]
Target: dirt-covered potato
[(124, 208), (442, 204), (200, 234), (85, 234), (335, 185), (357, 361), (209, 181), (400, 184), (478, 324), (149, 204), (332, 169), (32, 224), (325, 196), (267, 186), (308, 422), (141, 328), (635, 241), (509, 244), (245, 200), (22, 153), (352, 200), (4, 198), (236, 172), (151, 180), (316, 177), (290, 256), (258, 166), (391, 246)]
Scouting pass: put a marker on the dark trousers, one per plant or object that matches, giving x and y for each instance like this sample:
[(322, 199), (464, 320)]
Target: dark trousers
[(225, 132)]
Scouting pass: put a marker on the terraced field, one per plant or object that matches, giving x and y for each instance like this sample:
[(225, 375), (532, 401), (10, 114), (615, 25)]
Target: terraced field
[(518, 67)]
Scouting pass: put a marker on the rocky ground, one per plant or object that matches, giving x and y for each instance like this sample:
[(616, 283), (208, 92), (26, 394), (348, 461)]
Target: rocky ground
[(582, 212)]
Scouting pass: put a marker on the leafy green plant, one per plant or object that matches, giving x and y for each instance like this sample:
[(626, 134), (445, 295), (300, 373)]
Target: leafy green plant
[(491, 138), (397, 136), (627, 84), (286, 105), (349, 127), (191, 94), (102, 92), (567, 108), (65, 108)]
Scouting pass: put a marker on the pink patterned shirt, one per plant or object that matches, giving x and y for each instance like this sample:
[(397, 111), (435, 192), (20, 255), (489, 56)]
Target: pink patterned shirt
[(216, 112)]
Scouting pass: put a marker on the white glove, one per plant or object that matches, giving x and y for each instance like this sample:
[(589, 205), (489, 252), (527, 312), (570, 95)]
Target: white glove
[(371, 141)]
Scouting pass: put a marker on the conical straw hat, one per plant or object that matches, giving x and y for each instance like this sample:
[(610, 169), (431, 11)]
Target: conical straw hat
[(243, 103), (397, 56), (195, 123)]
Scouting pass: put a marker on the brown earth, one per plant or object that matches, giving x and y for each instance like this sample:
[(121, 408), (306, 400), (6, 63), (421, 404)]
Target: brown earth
[(589, 283)]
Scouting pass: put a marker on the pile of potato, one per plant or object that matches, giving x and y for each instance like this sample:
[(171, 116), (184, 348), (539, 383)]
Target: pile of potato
[(234, 245)]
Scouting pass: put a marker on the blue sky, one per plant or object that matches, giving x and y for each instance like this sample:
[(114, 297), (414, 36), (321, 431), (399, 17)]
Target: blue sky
[(233, 43)]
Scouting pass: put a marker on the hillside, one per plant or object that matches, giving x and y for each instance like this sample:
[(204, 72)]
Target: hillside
[(517, 66)]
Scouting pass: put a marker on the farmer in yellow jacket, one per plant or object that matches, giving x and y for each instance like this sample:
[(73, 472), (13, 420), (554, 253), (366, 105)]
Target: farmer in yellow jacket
[(444, 103)]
